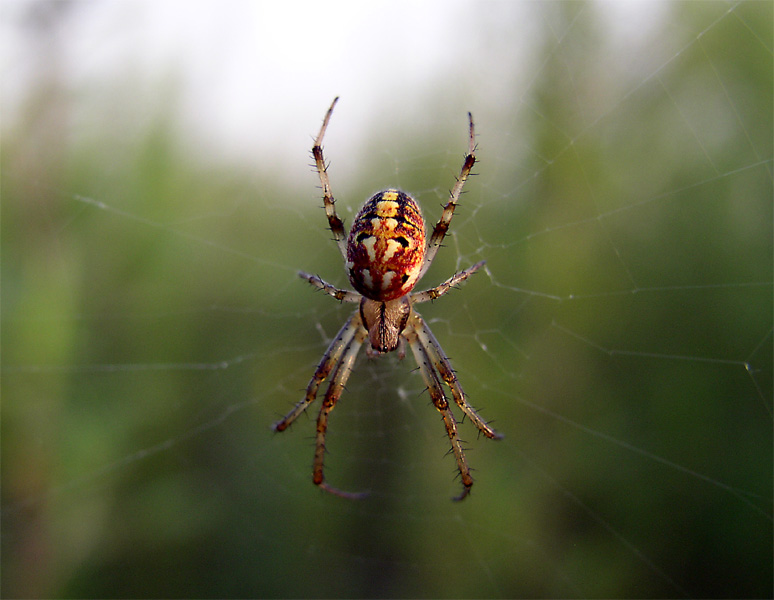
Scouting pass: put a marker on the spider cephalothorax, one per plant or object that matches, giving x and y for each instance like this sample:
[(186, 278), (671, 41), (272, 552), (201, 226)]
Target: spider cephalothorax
[(385, 255)]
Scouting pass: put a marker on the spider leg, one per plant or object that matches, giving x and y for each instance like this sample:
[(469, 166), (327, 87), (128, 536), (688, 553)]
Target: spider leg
[(332, 357), (442, 405), (444, 287), (335, 388), (331, 290), (440, 229), (336, 224), (441, 363)]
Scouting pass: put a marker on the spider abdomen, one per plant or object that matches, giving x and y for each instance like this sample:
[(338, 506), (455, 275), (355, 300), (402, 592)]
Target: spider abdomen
[(386, 246)]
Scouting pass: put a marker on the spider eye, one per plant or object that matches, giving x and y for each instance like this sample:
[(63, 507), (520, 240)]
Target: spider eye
[(402, 241), (404, 279), (362, 236)]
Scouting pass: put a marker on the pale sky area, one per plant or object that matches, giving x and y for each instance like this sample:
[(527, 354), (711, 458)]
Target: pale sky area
[(242, 73)]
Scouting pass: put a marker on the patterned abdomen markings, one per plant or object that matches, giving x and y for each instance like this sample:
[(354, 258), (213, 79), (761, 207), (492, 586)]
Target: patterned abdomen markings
[(386, 246)]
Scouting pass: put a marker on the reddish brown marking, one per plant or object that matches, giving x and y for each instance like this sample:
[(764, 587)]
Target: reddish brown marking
[(386, 246)]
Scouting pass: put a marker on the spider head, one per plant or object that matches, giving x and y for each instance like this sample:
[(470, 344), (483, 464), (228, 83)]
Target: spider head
[(385, 321), (386, 246)]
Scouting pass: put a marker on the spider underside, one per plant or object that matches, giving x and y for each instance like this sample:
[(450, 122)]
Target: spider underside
[(385, 255)]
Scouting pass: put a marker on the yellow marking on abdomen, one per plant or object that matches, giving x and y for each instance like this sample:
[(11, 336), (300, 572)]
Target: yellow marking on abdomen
[(387, 208), (392, 248), (387, 279), (370, 245), (388, 224)]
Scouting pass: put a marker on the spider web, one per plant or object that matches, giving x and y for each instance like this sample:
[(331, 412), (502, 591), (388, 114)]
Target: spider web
[(620, 336)]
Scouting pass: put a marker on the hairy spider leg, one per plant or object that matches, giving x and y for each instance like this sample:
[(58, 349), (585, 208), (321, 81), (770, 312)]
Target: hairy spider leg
[(331, 290), (330, 359), (336, 224), (440, 229), (442, 365), (447, 285), (335, 388), (442, 405)]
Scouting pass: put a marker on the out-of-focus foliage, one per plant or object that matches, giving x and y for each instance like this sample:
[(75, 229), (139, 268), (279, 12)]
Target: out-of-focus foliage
[(153, 328)]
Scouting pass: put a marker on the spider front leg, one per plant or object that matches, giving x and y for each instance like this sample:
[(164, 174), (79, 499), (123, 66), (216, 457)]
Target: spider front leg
[(432, 349), (338, 359), (335, 388), (442, 405), (330, 359)]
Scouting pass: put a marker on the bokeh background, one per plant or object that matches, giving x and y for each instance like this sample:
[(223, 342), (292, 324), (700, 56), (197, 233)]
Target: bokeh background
[(158, 200)]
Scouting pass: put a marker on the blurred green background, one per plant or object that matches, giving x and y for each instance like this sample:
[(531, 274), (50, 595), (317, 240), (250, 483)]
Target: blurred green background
[(153, 326)]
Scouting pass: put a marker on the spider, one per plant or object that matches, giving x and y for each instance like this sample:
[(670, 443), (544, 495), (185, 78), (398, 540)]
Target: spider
[(385, 256)]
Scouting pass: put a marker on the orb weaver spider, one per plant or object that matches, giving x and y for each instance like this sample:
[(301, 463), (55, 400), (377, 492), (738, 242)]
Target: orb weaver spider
[(385, 256)]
